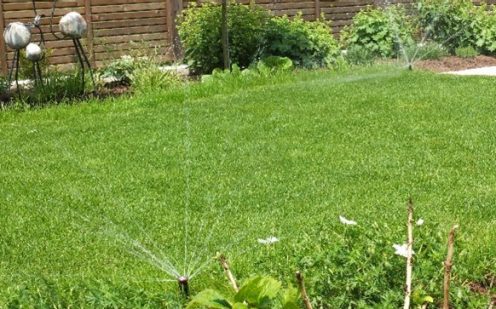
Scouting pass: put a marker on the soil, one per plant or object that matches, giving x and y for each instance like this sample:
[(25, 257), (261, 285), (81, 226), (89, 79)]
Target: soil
[(453, 63), (485, 287)]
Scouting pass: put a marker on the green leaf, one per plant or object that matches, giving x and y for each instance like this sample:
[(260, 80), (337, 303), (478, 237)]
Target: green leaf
[(290, 298), (210, 299), (240, 306), (257, 290)]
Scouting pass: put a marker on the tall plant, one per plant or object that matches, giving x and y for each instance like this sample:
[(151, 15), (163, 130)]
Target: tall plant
[(448, 22), (201, 35)]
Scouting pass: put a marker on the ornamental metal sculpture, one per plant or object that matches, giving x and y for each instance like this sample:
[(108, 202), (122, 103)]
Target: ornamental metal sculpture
[(17, 36), (74, 26)]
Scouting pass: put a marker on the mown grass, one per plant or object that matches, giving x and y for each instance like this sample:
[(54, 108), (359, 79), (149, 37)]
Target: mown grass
[(239, 160)]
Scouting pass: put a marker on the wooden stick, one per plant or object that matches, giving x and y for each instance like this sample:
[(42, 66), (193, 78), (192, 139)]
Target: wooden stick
[(409, 264), (225, 36), (303, 290), (227, 271), (448, 264)]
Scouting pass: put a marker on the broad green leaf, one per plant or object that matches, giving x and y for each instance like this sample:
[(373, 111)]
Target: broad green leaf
[(258, 289), (210, 299)]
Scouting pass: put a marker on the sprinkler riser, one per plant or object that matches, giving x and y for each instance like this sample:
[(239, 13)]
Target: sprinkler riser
[(184, 285)]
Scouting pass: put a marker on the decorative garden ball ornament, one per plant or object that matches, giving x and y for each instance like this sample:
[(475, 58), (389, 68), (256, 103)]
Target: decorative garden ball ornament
[(73, 25), (17, 35), (34, 52)]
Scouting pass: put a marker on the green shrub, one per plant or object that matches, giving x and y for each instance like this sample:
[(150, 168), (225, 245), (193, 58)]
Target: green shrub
[(26, 65), (359, 55), (382, 31), (151, 78), (448, 22), (121, 69), (466, 52), (200, 33), (57, 87), (273, 64), (308, 44), (3, 85), (429, 50), (484, 28)]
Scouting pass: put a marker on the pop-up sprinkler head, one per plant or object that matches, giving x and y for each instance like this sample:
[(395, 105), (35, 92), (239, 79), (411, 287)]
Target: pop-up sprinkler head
[(184, 285)]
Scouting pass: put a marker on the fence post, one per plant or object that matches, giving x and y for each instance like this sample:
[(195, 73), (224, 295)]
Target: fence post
[(174, 8), (317, 9), (89, 35), (3, 49)]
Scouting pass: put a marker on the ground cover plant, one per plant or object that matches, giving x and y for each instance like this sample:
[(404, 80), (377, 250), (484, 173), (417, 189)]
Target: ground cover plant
[(232, 163)]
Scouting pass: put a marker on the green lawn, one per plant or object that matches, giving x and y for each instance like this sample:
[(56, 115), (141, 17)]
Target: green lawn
[(228, 164)]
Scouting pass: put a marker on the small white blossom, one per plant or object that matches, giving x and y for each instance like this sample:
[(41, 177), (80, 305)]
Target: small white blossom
[(402, 250), (346, 221), (268, 241), (420, 222)]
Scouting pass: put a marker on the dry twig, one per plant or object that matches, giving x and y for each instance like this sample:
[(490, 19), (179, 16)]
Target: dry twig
[(227, 271), (448, 264), (409, 258), (303, 290)]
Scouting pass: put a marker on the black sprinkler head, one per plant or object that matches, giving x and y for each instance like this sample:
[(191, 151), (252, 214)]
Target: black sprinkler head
[(184, 285)]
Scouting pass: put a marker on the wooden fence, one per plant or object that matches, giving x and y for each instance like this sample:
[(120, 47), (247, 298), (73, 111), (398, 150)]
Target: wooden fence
[(118, 27)]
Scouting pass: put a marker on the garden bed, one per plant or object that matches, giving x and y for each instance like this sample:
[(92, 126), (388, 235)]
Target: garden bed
[(453, 63)]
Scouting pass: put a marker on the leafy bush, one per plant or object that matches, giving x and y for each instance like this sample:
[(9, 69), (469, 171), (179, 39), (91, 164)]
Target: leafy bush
[(57, 87), (424, 51), (121, 69), (484, 28), (3, 85), (308, 44), (382, 31), (466, 52), (26, 65), (273, 64), (448, 22), (151, 78), (200, 33), (459, 23), (359, 55), (143, 73)]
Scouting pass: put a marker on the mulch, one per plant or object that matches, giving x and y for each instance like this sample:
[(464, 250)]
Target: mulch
[(453, 63)]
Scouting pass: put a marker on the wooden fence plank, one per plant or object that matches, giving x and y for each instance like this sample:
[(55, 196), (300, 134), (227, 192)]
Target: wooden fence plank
[(3, 49), (89, 34), (317, 9)]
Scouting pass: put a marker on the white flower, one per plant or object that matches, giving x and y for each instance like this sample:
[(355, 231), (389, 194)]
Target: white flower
[(268, 241), (402, 250), (346, 221), (420, 222)]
